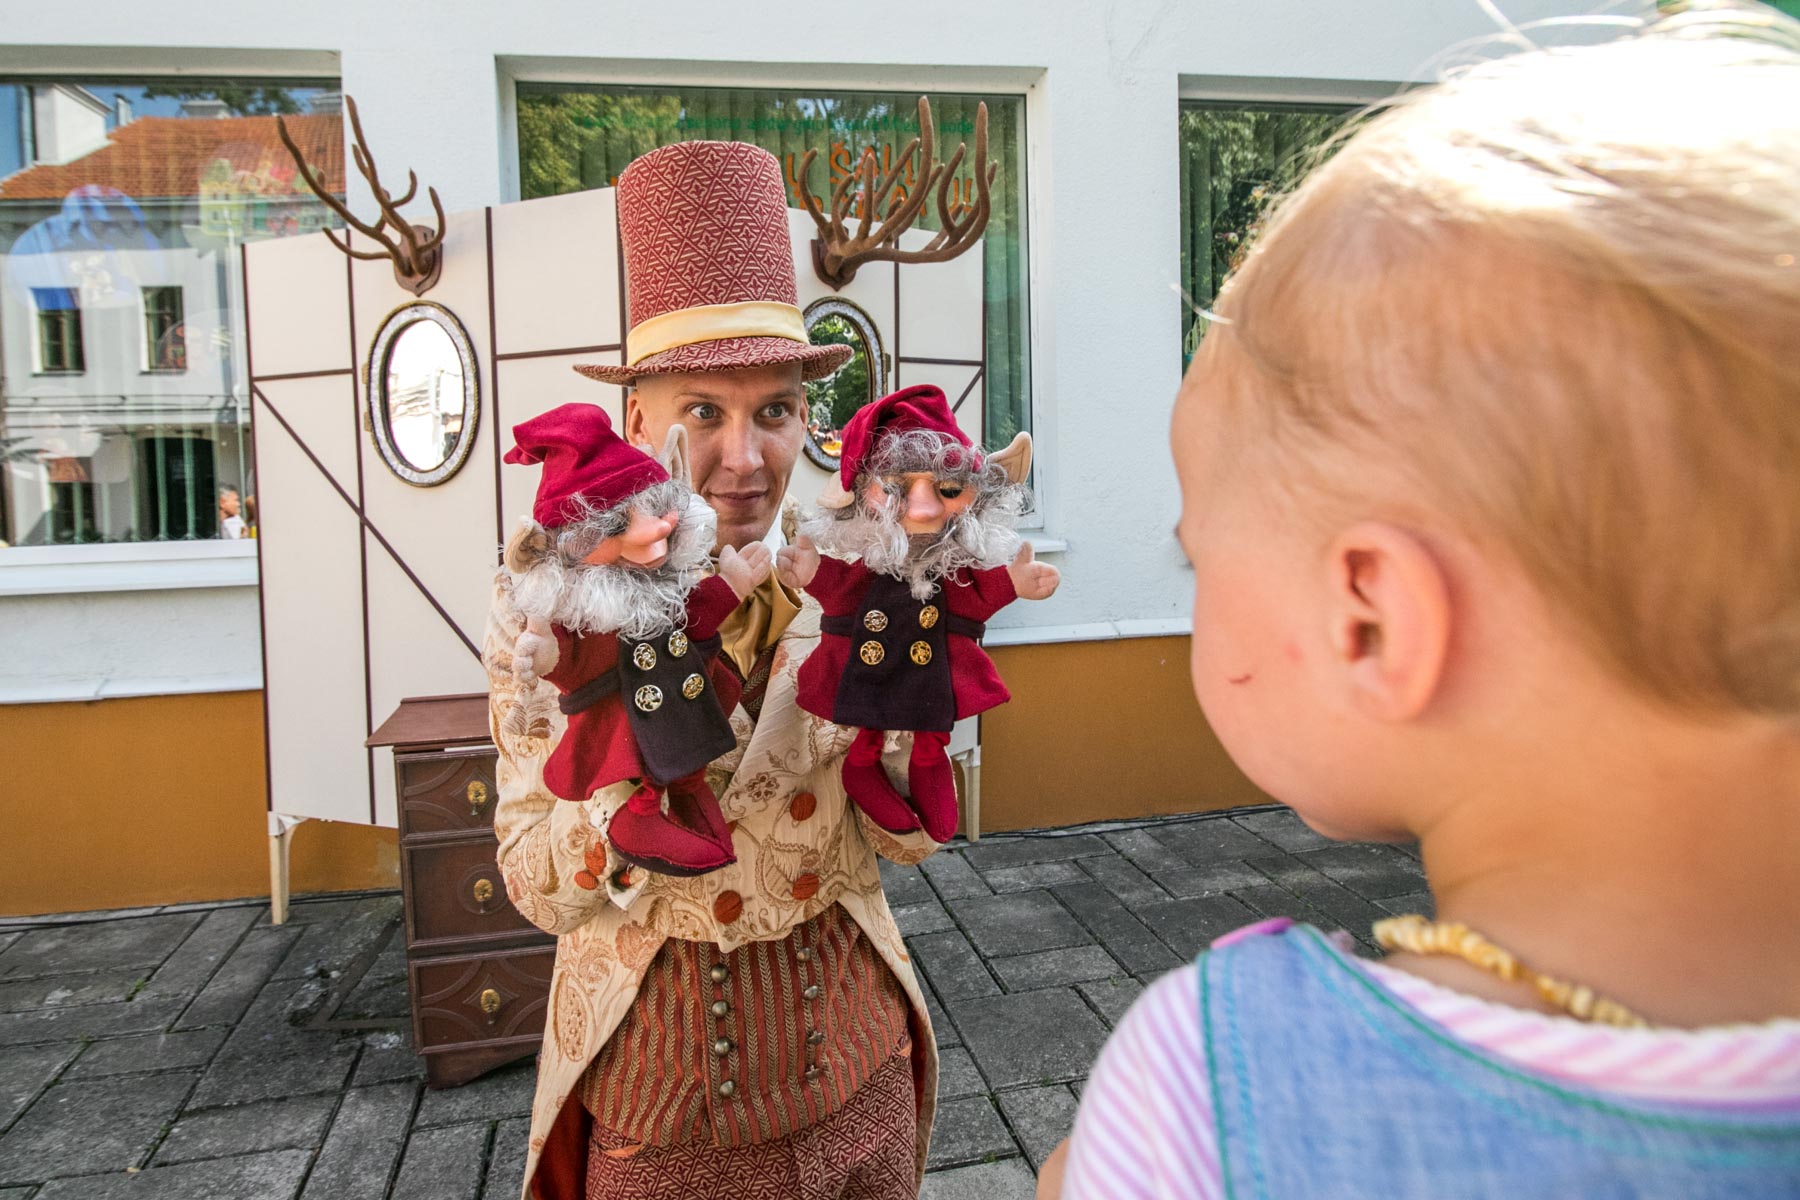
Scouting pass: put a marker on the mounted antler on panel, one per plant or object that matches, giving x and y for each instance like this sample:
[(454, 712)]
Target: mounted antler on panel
[(837, 253), (418, 260)]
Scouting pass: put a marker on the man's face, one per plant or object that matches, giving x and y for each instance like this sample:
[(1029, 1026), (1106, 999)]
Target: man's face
[(228, 504), (745, 430)]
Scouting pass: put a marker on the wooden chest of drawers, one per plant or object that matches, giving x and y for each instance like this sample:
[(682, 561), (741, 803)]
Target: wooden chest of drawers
[(479, 972)]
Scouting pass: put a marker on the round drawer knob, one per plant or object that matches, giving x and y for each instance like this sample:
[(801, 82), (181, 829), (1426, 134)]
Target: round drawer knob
[(477, 793), (483, 890), (490, 1001)]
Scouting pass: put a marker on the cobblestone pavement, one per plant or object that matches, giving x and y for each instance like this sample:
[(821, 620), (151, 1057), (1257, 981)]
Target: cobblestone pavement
[(197, 1052)]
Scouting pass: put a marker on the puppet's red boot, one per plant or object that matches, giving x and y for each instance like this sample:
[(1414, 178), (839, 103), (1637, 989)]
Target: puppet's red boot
[(869, 788), (690, 839), (933, 787)]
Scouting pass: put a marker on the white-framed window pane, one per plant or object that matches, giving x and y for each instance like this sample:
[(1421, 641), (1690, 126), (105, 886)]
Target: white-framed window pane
[(124, 409)]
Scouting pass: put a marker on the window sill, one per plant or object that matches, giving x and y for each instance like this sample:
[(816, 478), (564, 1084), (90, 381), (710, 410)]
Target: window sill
[(59, 374), (127, 567), (163, 371)]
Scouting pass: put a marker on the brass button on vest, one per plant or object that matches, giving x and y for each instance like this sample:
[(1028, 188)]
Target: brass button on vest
[(721, 1009), (727, 1087), (812, 991), (921, 653), (720, 973), (692, 686), (875, 620), (928, 616), (648, 698), (644, 657), (678, 644), (722, 1047), (871, 653)]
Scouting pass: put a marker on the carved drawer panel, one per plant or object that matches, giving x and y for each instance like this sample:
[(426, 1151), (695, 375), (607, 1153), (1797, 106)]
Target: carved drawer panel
[(450, 793), (466, 1000), (456, 894)]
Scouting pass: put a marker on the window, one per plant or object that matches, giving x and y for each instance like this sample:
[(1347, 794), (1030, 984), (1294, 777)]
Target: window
[(1235, 159), (124, 409), (574, 137), (58, 330), (165, 341)]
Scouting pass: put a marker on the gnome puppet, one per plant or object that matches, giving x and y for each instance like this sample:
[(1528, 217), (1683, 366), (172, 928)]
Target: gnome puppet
[(931, 523), (622, 617)]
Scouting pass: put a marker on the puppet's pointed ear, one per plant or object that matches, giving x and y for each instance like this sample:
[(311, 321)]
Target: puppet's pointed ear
[(674, 456), (834, 496), (1015, 460), (526, 547)]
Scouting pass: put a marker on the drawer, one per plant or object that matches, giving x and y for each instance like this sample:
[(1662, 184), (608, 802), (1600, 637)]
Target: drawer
[(454, 892), (471, 999), (445, 792)]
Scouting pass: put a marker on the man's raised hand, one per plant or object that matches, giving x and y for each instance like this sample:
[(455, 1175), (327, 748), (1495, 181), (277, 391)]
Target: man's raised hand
[(1033, 580), (744, 569), (796, 565)]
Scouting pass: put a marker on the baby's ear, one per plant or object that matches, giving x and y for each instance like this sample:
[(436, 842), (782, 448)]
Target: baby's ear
[(1015, 460), (528, 545), (1390, 614), (674, 456)]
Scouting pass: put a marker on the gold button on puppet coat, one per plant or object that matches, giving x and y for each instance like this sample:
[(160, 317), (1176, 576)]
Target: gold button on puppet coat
[(644, 657), (921, 652), (678, 644), (928, 616), (649, 698), (871, 653), (875, 620), (692, 686)]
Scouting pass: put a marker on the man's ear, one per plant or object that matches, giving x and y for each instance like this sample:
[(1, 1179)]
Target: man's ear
[(1390, 614), (637, 430)]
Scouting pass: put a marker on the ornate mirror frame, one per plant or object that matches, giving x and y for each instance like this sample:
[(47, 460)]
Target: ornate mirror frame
[(380, 350), (864, 324)]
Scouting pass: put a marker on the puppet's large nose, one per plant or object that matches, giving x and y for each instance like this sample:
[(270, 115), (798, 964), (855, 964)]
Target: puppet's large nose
[(923, 504)]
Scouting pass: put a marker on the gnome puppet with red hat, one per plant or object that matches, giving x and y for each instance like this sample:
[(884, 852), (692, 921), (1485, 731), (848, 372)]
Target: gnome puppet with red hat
[(931, 523), (621, 615)]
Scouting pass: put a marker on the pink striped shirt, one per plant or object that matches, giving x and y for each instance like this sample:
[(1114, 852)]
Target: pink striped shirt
[(1146, 1131)]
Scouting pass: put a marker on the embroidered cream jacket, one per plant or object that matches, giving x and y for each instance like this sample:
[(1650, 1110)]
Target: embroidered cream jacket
[(606, 938)]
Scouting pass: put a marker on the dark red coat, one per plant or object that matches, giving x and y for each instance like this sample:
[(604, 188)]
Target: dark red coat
[(598, 749), (839, 588)]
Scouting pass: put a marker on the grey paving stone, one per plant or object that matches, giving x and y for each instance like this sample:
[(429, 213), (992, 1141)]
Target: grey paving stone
[(1017, 852), (1346, 909), (952, 965), (1209, 841), (1273, 900), (943, 1029), (247, 1129), (443, 1164), (1040, 1118), (364, 1143), (951, 877), (1034, 875), (16, 1193), (235, 984), (1055, 968), (186, 971), (86, 1021), (1189, 926), (1283, 828), (148, 1052), (1371, 871), (1029, 1037), (63, 991), (1125, 937), (915, 919), (87, 1126), (957, 1076), (1213, 879), (504, 1093), (387, 1057), (1018, 923), (104, 945), (382, 991), (968, 1131), (273, 1176), (1008, 1179), (904, 885), (27, 1070), (1133, 888), (1412, 902), (8, 938), (506, 1161), (1111, 996), (266, 1057), (335, 933), (1145, 851)]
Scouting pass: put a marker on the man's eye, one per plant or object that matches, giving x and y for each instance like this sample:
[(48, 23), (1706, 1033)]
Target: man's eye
[(704, 412), (776, 412)]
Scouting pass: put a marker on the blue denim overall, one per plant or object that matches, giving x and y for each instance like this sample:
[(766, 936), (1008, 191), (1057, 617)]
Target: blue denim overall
[(1324, 1086)]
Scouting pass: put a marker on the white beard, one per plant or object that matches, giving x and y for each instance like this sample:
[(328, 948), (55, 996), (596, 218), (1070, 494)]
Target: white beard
[(875, 535), (635, 602)]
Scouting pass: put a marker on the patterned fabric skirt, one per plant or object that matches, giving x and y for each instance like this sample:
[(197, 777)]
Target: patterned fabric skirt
[(863, 1151)]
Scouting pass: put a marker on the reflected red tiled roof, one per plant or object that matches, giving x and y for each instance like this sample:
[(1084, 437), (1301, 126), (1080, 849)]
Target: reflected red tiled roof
[(168, 156)]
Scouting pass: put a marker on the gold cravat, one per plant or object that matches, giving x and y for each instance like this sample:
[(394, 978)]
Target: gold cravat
[(754, 625)]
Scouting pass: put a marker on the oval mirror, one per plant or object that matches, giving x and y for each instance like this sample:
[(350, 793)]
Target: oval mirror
[(423, 393), (833, 400)]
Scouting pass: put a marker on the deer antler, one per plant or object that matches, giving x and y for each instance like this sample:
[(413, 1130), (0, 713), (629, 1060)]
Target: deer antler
[(837, 253), (416, 257)]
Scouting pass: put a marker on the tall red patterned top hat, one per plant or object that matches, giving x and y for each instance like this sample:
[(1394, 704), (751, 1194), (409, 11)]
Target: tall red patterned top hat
[(709, 266), (921, 406), (585, 462)]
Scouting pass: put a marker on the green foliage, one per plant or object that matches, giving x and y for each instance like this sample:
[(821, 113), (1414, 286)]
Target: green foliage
[(243, 100), (834, 400)]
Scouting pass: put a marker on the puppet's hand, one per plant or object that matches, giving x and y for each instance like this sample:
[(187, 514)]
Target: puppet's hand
[(796, 565), (744, 569), (535, 652), (1033, 580)]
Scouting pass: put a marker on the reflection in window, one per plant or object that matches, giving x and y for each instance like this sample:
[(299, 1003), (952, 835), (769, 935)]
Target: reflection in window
[(1235, 159), (165, 345), (123, 204), (573, 137)]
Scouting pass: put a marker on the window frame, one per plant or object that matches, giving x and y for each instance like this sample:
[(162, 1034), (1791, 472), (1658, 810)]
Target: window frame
[(72, 334), (149, 364)]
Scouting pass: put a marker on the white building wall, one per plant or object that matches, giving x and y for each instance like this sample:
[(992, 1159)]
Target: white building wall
[(1102, 80)]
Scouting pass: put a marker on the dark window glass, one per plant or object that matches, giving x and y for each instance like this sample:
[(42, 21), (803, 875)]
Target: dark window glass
[(165, 341)]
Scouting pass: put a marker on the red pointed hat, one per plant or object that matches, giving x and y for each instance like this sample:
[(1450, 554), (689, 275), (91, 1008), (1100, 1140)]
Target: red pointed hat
[(709, 266), (585, 462)]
